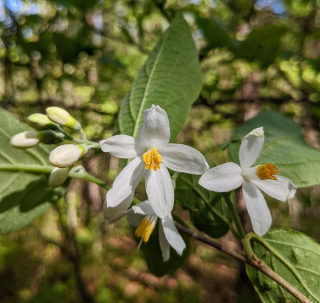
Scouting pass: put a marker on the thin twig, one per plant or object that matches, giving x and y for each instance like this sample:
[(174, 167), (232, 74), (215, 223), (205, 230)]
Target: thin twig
[(255, 262)]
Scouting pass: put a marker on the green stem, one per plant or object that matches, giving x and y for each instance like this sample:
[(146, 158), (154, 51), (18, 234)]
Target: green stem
[(83, 141), (243, 238), (223, 218), (39, 169)]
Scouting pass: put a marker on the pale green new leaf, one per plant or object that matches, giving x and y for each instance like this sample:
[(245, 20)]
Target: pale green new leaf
[(23, 196), (284, 146), (171, 78), (295, 257)]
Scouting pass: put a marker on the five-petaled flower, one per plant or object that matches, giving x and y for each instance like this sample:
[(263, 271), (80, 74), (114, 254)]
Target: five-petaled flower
[(229, 176), (143, 216), (152, 154)]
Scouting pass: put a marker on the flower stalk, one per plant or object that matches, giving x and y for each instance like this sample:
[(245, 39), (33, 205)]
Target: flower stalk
[(243, 238)]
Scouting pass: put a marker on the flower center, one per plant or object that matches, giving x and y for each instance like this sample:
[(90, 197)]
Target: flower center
[(267, 171), (146, 227), (152, 159)]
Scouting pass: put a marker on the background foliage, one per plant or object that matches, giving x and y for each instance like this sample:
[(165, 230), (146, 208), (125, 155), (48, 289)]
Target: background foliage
[(84, 56)]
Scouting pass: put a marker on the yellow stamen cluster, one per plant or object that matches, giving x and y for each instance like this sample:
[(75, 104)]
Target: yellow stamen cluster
[(152, 159), (146, 228), (267, 171)]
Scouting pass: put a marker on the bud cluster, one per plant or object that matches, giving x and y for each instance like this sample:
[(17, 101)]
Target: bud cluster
[(49, 131)]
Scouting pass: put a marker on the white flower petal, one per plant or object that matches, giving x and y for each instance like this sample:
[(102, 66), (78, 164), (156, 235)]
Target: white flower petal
[(113, 214), (126, 182), (281, 189), (160, 191), (172, 235), (143, 208), (155, 128), (184, 159), (222, 178), (164, 244), (257, 208), (134, 219), (251, 147), (122, 146)]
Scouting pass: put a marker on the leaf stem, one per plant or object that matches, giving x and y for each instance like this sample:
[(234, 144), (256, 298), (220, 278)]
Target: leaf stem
[(244, 240)]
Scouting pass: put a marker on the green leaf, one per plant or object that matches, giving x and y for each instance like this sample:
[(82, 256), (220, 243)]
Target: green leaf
[(153, 255), (284, 146), (200, 202), (292, 255), (262, 44), (171, 78), (216, 33), (24, 196)]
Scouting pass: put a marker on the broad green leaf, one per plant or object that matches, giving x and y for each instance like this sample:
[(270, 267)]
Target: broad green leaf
[(23, 196), (284, 146), (216, 33), (153, 255), (292, 255), (262, 44), (200, 202), (171, 78)]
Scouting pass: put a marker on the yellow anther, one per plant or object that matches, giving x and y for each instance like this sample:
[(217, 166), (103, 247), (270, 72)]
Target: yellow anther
[(152, 159), (146, 228), (267, 171)]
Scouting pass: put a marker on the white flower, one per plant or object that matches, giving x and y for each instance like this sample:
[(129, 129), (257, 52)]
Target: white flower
[(62, 117), (229, 176), (113, 214), (25, 139), (143, 216), (66, 155), (152, 154), (58, 176)]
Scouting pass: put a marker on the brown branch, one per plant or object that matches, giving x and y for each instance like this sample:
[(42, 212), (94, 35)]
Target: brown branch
[(255, 262)]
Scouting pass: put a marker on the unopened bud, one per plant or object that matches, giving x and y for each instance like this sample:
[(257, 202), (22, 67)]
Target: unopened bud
[(50, 137), (41, 121), (62, 117), (25, 139), (66, 155), (58, 176)]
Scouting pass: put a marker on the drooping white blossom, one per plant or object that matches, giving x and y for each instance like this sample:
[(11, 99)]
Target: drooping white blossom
[(152, 154), (143, 216), (265, 177)]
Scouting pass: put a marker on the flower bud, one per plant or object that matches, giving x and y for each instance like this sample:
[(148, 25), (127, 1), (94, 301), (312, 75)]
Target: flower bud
[(41, 121), (62, 117), (66, 155), (25, 139), (58, 176), (50, 137)]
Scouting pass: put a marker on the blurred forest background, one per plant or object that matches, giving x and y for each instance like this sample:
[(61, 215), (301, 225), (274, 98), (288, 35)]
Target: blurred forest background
[(83, 55)]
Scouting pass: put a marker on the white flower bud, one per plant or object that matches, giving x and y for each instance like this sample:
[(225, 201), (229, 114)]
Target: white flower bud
[(25, 139), (58, 176), (66, 155), (62, 117), (41, 121)]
